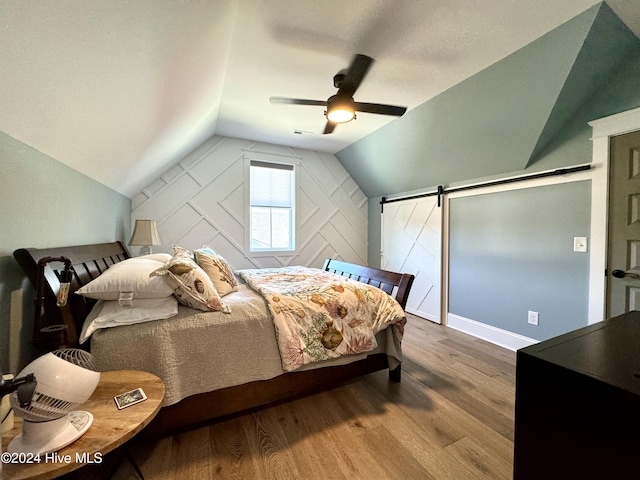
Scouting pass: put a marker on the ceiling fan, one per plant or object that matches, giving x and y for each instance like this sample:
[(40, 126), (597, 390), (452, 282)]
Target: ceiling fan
[(341, 107)]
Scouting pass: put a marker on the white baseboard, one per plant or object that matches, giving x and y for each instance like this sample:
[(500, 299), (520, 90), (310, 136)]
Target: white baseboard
[(424, 315), (503, 338)]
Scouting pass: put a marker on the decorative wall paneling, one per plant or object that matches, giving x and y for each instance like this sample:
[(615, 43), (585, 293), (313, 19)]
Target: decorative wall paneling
[(202, 199), (412, 243)]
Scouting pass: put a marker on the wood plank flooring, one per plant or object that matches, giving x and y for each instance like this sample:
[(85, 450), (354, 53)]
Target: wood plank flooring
[(451, 417)]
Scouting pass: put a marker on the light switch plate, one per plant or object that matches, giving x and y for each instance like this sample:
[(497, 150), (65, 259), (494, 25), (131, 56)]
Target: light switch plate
[(579, 244)]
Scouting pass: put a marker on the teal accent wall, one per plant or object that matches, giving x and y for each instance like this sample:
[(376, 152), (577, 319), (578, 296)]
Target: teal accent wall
[(587, 69), (512, 252), (607, 47), (44, 204), (486, 125), (509, 116)]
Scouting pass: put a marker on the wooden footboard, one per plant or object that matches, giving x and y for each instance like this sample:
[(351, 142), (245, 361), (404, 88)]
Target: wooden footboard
[(89, 261)]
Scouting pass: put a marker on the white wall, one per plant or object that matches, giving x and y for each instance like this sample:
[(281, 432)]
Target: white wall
[(201, 200)]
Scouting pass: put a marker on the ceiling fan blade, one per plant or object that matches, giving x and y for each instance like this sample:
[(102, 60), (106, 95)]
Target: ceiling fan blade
[(298, 101), (329, 128), (380, 108), (356, 73)]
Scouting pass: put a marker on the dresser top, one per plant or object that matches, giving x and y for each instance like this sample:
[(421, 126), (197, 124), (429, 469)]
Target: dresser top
[(608, 351)]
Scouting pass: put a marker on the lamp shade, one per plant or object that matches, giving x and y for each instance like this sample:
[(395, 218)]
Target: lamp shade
[(145, 233)]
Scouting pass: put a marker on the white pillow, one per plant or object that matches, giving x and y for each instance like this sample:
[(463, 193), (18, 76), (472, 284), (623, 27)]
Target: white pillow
[(109, 313), (128, 279)]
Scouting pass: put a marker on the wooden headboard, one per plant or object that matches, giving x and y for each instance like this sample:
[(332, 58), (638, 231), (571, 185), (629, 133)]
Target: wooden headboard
[(88, 261), (383, 279)]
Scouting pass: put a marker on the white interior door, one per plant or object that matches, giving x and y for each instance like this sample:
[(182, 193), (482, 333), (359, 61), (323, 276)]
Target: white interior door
[(412, 243)]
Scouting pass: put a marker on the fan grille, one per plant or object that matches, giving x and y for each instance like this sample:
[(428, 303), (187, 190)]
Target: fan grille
[(43, 408), (77, 357)]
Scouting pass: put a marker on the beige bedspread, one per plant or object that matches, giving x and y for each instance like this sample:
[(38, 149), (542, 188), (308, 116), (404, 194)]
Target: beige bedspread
[(196, 352)]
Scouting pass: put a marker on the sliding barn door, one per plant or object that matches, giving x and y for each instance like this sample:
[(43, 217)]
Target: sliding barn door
[(412, 243)]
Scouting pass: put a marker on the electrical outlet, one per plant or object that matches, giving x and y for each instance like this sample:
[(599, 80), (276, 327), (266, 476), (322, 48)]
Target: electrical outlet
[(533, 318)]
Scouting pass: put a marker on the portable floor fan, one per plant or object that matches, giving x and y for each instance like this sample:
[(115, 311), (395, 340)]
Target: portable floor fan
[(64, 379), (341, 107)]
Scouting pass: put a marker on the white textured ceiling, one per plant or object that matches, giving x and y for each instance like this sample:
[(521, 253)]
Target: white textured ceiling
[(121, 90)]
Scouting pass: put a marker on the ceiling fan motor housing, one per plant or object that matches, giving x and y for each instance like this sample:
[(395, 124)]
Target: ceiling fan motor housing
[(339, 77)]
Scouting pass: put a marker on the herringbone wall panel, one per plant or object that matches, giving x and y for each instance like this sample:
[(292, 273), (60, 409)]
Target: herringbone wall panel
[(201, 200)]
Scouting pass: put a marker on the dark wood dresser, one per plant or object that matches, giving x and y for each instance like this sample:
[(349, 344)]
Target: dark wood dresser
[(578, 404)]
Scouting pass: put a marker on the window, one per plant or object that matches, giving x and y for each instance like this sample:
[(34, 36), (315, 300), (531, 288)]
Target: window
[(272, 188)]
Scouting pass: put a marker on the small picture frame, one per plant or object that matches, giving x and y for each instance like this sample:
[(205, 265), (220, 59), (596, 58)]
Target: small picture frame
[(129, 398)]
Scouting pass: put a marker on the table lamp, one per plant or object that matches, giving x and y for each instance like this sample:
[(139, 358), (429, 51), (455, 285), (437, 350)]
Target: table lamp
[(145, 235)]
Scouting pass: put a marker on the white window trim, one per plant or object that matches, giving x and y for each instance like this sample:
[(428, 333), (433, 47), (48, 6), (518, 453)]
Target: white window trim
[(277, 159)]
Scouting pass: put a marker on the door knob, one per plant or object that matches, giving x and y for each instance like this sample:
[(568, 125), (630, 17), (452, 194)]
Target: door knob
[(622, 274)]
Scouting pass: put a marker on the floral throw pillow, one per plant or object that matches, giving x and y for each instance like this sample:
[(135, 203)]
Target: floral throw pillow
[(191, 285), (182, 252), (218, 270)]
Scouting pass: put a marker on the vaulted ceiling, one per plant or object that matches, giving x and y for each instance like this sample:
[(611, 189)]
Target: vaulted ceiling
[(121, 90)]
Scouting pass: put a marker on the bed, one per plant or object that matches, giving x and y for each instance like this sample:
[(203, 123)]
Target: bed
[(227, 385)]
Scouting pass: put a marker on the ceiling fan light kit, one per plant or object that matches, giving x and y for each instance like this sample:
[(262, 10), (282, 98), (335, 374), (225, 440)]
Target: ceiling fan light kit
[(341, 108)]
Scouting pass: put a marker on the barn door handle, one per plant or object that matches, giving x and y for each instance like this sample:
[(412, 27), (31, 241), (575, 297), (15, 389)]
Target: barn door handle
[(622, 274)]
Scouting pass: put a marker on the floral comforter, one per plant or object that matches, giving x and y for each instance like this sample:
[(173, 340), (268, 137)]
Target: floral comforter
[(319, 315)]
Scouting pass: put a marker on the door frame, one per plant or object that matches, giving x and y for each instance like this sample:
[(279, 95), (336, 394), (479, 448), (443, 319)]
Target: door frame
[(603, 130)]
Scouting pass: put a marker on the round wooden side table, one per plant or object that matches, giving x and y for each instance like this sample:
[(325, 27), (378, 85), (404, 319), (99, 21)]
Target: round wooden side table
[(111, 427)]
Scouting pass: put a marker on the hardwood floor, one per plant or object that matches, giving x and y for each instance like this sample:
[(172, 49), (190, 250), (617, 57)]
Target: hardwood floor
[(451, 417)]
